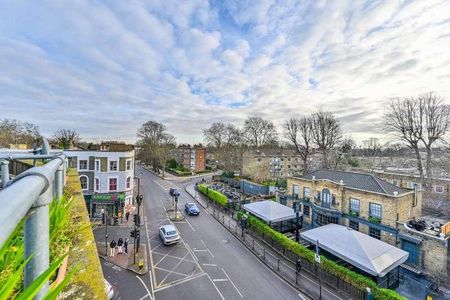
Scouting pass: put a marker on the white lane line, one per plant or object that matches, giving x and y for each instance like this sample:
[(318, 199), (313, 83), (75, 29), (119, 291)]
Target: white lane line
[(200, 250), (152, 273), (207, 248), (301, 296), (192, 227), (232, 283), (142, 298), (210, 265), (146, 288), (220, 294), (192, 252), (220, 279), (180, 281)]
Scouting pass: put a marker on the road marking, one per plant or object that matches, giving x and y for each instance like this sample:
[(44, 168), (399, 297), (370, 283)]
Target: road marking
[(192, 252), (192, 227), (207, 248), (220, 279), (152, 273), (172, 256), (199, 250), (146, 288), (232, 283), (210, 265), (142, 298), (301, 296), (170, 272), (178, 273), (220, 294), (117, 268), (174, 283)]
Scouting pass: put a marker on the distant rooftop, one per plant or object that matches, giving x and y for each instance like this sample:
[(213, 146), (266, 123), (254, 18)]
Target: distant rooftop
[(360, 181)]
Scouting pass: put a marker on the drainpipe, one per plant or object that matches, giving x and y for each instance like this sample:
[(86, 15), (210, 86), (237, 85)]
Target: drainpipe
[(5, 173)]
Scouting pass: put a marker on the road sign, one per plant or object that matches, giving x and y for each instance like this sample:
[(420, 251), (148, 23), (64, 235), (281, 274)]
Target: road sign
[(317, 258)]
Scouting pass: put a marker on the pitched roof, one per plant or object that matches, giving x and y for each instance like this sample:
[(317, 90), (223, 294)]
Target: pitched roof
[(366, 253), (360, 181), (270, 211)]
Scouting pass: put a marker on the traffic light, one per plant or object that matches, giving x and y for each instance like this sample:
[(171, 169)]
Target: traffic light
[(133, 233), (137, 219)]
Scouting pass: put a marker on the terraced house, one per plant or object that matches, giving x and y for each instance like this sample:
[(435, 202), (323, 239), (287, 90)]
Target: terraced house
[(375, 207), (106, 176)]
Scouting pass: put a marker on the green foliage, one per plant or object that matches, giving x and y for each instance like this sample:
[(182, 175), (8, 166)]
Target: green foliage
[(374, 220), (172, 163), (353, 161), (214, 195), (228, 174), (239, 215), (12, 262), (357, 280)]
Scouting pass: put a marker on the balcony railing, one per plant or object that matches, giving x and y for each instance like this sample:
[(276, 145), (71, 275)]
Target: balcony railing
[(30, 194)]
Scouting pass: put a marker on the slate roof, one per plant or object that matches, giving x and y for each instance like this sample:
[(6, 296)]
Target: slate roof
[(360, 181)]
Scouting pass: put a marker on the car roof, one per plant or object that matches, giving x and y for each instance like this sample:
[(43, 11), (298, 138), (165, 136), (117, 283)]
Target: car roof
[(168, 227), (191, 203)]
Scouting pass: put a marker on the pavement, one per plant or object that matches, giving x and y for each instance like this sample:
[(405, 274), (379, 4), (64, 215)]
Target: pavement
[(209, 262)]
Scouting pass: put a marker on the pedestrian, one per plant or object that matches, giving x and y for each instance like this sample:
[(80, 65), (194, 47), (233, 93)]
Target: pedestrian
[(125, 245), (112, 245), (120, 245), (127, 215)]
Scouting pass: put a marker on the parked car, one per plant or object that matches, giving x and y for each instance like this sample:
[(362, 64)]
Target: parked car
[(191, 209), (109, 290), (174, 192), (169, 234)]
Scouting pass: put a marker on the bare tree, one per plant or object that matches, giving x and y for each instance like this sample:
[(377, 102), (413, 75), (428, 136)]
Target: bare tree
[(344, 152), (326, 133), (66, 138), (436, 123), (298, 131), (259, 132), (17, 132), (215, 134), (153, 140), (404, 119)]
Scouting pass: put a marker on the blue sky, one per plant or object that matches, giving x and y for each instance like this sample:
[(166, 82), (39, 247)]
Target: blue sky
[(104, 68)]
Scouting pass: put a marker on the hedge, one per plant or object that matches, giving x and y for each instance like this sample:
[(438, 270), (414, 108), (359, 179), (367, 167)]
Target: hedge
[(214, 195), (357, 280)]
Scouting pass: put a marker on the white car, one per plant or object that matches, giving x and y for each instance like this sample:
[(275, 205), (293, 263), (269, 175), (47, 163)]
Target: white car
[(109, 290), (169, 234)]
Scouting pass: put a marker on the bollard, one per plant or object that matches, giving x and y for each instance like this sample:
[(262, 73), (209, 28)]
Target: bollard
[(5, 173), (253, 244), (37, 240)]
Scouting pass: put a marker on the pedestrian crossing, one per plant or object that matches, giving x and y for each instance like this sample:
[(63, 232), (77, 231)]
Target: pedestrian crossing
[(165, 185)]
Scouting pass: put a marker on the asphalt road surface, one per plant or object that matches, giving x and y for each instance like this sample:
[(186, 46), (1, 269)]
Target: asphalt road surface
[(208, 263)]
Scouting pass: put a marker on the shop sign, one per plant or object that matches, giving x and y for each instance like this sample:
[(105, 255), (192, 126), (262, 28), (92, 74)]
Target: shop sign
[(108, 197)]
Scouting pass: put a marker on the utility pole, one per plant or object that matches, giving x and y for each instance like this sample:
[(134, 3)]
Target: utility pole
[(106, 232)]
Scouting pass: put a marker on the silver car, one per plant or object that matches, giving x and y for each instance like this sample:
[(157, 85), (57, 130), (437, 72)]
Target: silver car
[(169, 234)]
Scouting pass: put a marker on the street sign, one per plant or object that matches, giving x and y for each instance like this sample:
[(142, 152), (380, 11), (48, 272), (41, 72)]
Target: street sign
[(317, 258)]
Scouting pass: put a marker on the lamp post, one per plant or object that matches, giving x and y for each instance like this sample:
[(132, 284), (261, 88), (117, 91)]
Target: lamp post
[(106, 232)]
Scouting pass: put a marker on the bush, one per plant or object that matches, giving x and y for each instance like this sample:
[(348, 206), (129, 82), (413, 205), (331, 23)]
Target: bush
[(214, 195), (357, 280)]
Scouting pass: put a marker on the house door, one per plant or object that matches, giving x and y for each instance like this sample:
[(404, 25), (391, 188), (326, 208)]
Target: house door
[(326, 198), (413, 250)]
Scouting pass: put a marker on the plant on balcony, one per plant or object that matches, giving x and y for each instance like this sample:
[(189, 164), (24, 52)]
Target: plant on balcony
[(375, 220), (353, 213)]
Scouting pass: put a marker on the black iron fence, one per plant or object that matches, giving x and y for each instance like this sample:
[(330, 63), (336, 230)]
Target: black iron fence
[(306, 276)]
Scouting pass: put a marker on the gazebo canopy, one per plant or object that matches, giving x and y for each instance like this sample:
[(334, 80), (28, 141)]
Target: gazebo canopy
[(368, 254), (270, 211)]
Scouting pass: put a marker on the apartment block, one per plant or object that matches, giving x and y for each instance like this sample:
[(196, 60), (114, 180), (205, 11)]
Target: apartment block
[(106, 176), (192, 158)]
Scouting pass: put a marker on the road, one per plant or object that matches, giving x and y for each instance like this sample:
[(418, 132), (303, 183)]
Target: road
[(208, 263)]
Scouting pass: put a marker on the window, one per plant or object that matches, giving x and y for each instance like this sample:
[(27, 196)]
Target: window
[(112, 184), (375, 210), (324, 219), (97, 184), (439, 189), (375, 233), (318, 195), (128, 164), (333, 199), (354, 225), (113, 165), (307, 192), (354, 205), (84, 182), (395, 182), (83, 164), (128, 182), (98, 165), (295, 190), (306, 210)]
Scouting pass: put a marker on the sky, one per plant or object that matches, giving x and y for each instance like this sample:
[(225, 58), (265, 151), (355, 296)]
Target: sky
[(104, 68)]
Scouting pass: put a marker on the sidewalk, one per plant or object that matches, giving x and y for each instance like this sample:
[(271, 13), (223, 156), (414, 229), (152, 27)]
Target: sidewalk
[(190, 189), (124, 261)]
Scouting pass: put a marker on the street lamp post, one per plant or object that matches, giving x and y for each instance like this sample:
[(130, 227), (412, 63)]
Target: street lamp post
[(106, 232)]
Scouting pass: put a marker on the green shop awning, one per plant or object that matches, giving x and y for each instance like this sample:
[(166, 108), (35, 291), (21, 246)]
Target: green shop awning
[(107, 197)]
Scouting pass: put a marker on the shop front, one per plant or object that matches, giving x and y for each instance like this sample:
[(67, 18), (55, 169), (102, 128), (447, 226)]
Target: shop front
[(111, 204)]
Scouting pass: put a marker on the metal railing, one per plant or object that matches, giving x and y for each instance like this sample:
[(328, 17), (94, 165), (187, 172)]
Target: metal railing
[(29, 196)]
